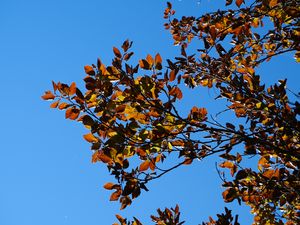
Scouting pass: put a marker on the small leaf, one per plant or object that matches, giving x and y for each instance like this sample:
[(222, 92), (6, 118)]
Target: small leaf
[(239, 2), (115, 196), (72, 89), (63, 106), (54, 104), (172, 75), (227, 164), (144, 166), (90, 138), (149, 60), (72, 113), (48, 95), (109, 186), (117, 52), (89, 70)]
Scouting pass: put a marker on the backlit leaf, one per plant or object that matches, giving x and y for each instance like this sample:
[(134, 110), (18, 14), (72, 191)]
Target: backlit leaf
[(72, 89), (117, 52), (72, 113), (48, 95), (90, 138), (144, 166), (239, 2), (89, 70)]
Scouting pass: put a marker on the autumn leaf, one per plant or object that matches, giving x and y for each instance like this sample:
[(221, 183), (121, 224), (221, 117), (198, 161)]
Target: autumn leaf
[(72, 89), (54, 104), (48, 95), (109, 186), (115, 196), (117, 52), (90, 138), (172, 75), (144, 166), (63, 105), (72, 113), (239, 2), (89, 70)]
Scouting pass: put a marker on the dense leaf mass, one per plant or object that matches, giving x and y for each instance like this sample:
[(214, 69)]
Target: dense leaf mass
[(131, 111)]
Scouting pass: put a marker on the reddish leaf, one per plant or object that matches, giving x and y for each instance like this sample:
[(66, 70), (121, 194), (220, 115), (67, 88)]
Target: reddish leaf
[(72, 113), (117, 52), (48, 95), (54, 104), (72, 89), (172, 75), (115, 196), (144, 166), (63, 105), (109, 186), (239, 2)]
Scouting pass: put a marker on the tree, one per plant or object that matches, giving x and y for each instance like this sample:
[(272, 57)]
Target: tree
[(133, 114)]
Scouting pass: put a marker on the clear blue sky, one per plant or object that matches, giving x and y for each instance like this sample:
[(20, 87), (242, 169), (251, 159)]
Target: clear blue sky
[(45, 170)]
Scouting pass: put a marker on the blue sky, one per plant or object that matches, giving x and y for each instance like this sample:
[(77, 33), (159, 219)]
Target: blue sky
[(45, 170)]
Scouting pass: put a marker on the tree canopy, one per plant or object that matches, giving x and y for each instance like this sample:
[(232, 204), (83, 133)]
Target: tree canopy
[(131, 111)]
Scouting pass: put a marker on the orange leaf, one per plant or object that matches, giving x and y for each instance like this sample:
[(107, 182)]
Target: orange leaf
[(72, 113), (227, 164), (117, 52), (172, 75), (104, 158), (54, 104), (72, 89), (109, 186), (149, 59), (115, 196), (48, 96), (175, 91), (63, 106), (144, 64), (239, 2), (158, 58), (144, 166), (89, 70), (90, 138)]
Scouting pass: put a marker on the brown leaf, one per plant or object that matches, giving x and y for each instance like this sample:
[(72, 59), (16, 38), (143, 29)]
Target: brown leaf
[(48, 95), (172, 75), (144, 64), (117, 52)]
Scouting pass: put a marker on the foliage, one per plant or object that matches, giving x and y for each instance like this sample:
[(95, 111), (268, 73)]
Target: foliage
[(133, 117)]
